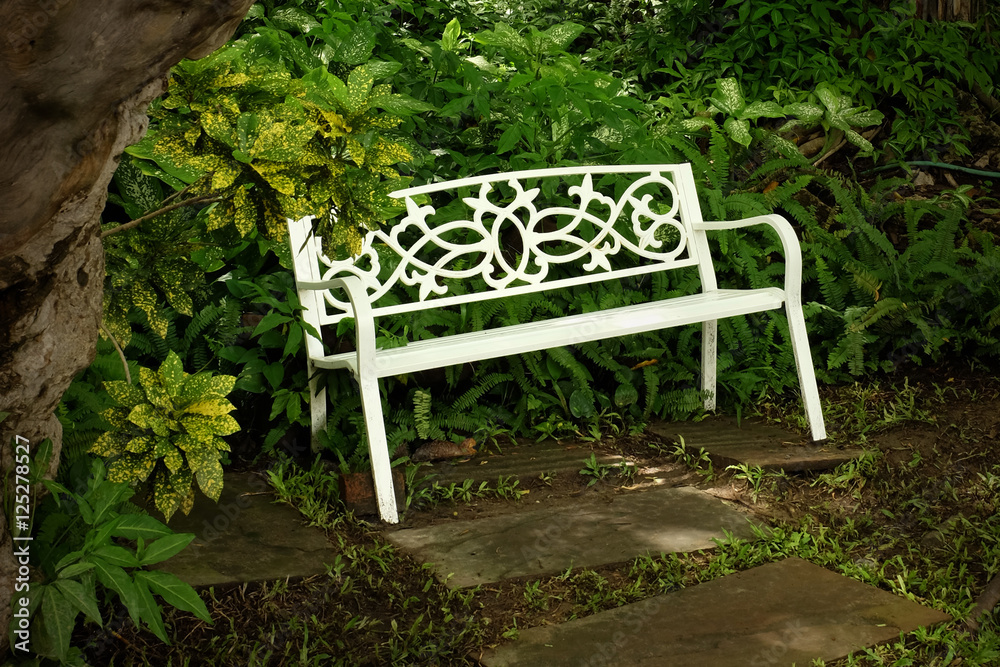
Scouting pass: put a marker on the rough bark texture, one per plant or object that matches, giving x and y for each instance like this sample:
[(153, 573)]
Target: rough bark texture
[(76, 77), (949, 10)]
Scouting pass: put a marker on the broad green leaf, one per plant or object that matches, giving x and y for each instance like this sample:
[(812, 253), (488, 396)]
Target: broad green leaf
[(148, 610), (153, 387), (134, 526), (165, 547), (729, 98), (510, 137), (359, 84), (866, 118), (175, 592), (58, 619), (357, 47), (293, 19), (807, 113), (830, 98), (626, 394), (581, 403), (381, 69), (738, 130), (558, 37), (449, 40), (81, 598), (506, 38), (282, 141), (120, 582), (758, 109), (75, 569), (116, 555), (404, 105), (270, 321)]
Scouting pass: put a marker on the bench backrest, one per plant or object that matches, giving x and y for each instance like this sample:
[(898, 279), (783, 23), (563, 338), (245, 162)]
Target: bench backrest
[(655, 219)]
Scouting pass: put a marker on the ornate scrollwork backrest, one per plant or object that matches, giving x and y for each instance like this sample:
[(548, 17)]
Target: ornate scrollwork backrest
[(649, 220)]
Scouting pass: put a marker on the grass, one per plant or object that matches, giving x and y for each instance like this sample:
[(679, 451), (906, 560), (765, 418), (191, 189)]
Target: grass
[(916, 516)]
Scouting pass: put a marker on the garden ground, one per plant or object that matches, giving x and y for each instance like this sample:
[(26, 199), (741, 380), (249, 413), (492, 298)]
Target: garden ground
[(916, 516)]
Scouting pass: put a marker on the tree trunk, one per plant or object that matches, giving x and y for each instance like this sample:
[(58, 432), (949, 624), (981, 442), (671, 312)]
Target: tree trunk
[(949, 10), (77, 77)]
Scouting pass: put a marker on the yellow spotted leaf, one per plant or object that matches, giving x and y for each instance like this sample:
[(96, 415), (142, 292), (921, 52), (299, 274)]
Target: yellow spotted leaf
[(139, 444), (244, 212), (225, 173), (210, 479), (109, 443), (277, 176), (211, 407), (124, 394)]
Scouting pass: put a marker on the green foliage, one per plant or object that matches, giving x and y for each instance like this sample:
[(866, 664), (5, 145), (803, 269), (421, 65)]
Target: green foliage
[(279, 146), (168, 429), (482, 89), (80, 555), (152, 264)]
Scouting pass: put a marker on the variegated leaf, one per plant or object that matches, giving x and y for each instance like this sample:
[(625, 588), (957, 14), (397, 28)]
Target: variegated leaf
[(210, 407), (124, 394), (210, 479), (172, 376)]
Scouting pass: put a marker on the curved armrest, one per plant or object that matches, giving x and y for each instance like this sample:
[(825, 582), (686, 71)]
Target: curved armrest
[(364, 320), (789, 244)]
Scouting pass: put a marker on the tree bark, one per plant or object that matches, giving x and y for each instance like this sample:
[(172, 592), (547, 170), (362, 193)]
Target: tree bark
[(949, 10), (77, 77)]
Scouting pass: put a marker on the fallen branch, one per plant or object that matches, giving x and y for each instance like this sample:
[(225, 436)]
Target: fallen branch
[(988, 100), (984, 603)]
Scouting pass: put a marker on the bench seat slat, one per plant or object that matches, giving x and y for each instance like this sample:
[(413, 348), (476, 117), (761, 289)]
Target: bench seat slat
[(573, 329)]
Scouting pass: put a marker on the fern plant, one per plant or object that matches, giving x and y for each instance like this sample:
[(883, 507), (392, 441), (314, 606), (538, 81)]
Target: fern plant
[(169, 430)]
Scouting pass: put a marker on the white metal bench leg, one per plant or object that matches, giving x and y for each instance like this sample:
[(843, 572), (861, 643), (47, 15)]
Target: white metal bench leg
[(378, 449), (317, 405), (709, 357), (804, 366)]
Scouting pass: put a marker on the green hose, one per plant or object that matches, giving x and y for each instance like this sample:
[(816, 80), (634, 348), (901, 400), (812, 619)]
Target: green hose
[(940, 165)]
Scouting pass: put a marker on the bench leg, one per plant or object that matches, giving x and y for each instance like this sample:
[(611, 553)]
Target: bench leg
[(317, 406), (807, 376), (709, 357), (378, 448)]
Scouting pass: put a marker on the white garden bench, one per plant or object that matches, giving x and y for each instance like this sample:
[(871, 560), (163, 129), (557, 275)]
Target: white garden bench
[(657, 219)]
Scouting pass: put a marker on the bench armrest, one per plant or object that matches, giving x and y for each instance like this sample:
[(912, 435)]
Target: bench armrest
[(364, 319), (789, 244)]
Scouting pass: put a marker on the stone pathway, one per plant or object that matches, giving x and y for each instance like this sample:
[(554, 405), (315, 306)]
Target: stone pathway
[(246, 537), (753, 443), (522, 461), (784, 613), (549, 540)]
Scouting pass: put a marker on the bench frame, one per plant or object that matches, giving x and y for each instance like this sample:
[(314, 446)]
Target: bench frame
[(321, 280)]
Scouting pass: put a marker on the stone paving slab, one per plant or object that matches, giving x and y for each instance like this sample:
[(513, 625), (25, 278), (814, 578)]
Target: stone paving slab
[(779, 614), (246, 537), (521, 461), (754, 443), (549, 540)]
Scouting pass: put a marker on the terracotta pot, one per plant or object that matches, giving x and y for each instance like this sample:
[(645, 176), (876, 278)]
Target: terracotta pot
[(357, 491)]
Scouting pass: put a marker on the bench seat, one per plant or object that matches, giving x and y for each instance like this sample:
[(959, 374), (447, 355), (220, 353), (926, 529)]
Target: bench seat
[(543, 334)]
